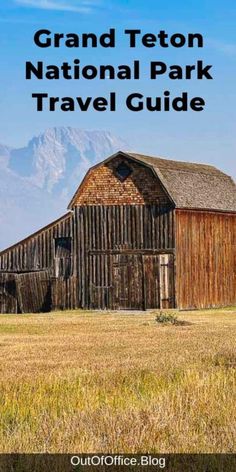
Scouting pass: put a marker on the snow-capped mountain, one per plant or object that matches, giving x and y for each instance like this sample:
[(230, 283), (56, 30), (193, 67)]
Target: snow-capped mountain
[(37, 181)]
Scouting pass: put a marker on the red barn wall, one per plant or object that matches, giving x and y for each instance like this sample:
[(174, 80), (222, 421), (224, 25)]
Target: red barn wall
[(205, 259)]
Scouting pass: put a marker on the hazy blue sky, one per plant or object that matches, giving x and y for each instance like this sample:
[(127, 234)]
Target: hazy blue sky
[(209, 136)]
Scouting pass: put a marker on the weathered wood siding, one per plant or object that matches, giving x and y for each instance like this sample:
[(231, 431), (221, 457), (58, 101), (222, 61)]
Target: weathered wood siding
[(102, 186), (27, 270), (151, 275), (109, 262), (205, 259), (25, 293), (36, 252), (8, 298), (119, 227), (128, 282), (167, 281), (64, 293), (102, 233), (34, 292)]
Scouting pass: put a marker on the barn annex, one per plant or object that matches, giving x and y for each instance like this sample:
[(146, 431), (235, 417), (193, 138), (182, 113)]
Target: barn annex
[(140, 232)]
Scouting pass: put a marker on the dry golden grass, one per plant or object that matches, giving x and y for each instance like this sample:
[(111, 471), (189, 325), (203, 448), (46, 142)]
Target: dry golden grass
[(119, 382)]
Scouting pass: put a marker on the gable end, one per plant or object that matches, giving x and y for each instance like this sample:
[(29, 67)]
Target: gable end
[(136, 183)]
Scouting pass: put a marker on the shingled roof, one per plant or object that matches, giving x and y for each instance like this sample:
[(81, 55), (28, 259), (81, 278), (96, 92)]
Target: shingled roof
[(192, 185), (189, 185)]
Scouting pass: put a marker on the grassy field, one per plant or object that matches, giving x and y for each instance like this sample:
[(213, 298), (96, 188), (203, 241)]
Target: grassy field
[(119, 382)]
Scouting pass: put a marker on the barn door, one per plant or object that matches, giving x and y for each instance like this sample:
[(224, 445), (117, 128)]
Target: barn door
[(151, 284), (100, 283), (127, 282), (34, 292), (166, 276)]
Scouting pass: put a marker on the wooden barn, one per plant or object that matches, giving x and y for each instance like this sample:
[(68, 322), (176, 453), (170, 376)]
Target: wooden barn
[(140, 233)]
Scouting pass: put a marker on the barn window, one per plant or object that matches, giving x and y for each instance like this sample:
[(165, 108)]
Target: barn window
[(123, 171), (62, 257), (62, 247)]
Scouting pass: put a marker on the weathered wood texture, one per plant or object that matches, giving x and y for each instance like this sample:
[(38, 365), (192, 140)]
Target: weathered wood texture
[(110, 227), (28, 267), (110, 261), (64, 293), (205, 259), (36, 252), (25, 293), (167, 289), (103, 235), (8, 298), (128, 283), (34, 292), (151, 286), (102, 186)]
